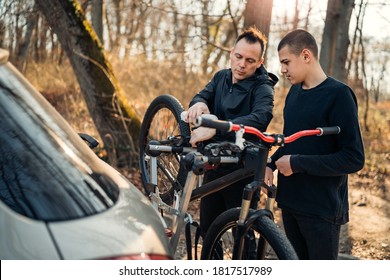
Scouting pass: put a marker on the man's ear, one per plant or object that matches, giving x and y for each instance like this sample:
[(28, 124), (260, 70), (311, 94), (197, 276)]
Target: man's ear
[(260, 62)]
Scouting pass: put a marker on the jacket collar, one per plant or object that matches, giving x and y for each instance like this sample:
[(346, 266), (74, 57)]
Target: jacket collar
[(261, 75)]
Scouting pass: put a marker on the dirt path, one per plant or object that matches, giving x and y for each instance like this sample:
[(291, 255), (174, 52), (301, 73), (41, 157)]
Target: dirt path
[(367, 235)]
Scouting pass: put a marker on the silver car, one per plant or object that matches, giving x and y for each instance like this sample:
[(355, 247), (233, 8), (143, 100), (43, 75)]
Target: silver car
[(58, 200)]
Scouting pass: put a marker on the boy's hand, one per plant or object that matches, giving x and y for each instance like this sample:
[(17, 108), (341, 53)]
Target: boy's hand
[(284, 166)]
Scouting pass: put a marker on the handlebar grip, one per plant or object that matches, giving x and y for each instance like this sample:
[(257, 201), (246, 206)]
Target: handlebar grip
[(329, 130), (219, 125)]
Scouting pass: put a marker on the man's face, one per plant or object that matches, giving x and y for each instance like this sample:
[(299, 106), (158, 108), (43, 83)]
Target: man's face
[(245, 59), (292, 65)]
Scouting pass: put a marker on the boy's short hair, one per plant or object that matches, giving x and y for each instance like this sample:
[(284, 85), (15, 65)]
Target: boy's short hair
[(252, 35), (298, 40)]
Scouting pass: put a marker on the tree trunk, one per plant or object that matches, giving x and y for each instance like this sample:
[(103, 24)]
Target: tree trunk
[(258, 13), (97, 18), (42, 42), (309, 10), (206, 35), (24, 45), (335, 39), (296, 15), (2, 34), (106, 101)]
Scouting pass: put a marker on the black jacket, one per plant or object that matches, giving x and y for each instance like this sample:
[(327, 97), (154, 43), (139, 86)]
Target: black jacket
[(319, 185), (249, 102)]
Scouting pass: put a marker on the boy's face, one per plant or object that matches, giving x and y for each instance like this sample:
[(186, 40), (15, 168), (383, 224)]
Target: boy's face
[(245, 59), (293, 66)]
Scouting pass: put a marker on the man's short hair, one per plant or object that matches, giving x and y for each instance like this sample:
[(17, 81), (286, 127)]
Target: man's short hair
[(298, 40), (252, 35)]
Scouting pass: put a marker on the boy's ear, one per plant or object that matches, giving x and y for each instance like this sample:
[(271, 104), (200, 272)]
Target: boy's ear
[(306, 54)]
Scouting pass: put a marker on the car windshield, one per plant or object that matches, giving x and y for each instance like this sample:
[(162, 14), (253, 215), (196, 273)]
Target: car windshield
[(45, 171)]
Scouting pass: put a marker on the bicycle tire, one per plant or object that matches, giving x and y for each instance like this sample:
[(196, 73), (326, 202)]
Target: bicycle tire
[(162, 119), (220, 232)]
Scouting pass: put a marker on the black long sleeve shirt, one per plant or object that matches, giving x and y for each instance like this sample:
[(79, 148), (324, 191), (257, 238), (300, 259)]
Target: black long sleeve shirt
[(319, 184)]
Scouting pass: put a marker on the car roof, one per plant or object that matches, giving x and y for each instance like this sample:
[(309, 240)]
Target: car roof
[(3, 56)]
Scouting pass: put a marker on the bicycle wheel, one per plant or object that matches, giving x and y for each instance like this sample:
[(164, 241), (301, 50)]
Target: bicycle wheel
[(161, 120), (219, 240)]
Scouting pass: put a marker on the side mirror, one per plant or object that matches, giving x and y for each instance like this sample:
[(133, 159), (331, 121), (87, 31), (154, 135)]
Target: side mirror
[(92, 142)]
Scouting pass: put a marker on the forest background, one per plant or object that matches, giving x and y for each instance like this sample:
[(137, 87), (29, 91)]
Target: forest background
[(139, 49)]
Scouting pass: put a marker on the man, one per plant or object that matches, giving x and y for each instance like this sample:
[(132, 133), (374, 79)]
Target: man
[(313, 171), (242, 95)]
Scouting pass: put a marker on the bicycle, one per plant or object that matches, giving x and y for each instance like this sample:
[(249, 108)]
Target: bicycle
[(193, 163), (226, 235)]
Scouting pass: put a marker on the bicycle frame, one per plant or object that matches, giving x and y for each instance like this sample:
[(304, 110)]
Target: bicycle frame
[(191, 193), (256, 160)]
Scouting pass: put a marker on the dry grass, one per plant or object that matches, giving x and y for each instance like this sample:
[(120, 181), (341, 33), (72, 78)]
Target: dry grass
[(60, 87), (377, 139), (144, 80)]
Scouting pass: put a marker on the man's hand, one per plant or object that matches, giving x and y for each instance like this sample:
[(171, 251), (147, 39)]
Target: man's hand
[(195, 111), (284, 166), (201, 134)]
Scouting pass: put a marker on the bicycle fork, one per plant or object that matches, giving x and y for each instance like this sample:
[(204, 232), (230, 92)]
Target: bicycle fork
[(242, 223), (245, 220)]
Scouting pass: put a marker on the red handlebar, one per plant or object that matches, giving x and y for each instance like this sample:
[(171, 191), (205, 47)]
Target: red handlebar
[(276, 139)]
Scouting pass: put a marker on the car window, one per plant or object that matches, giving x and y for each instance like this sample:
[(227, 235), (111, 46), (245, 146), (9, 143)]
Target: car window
[(44, 172)]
